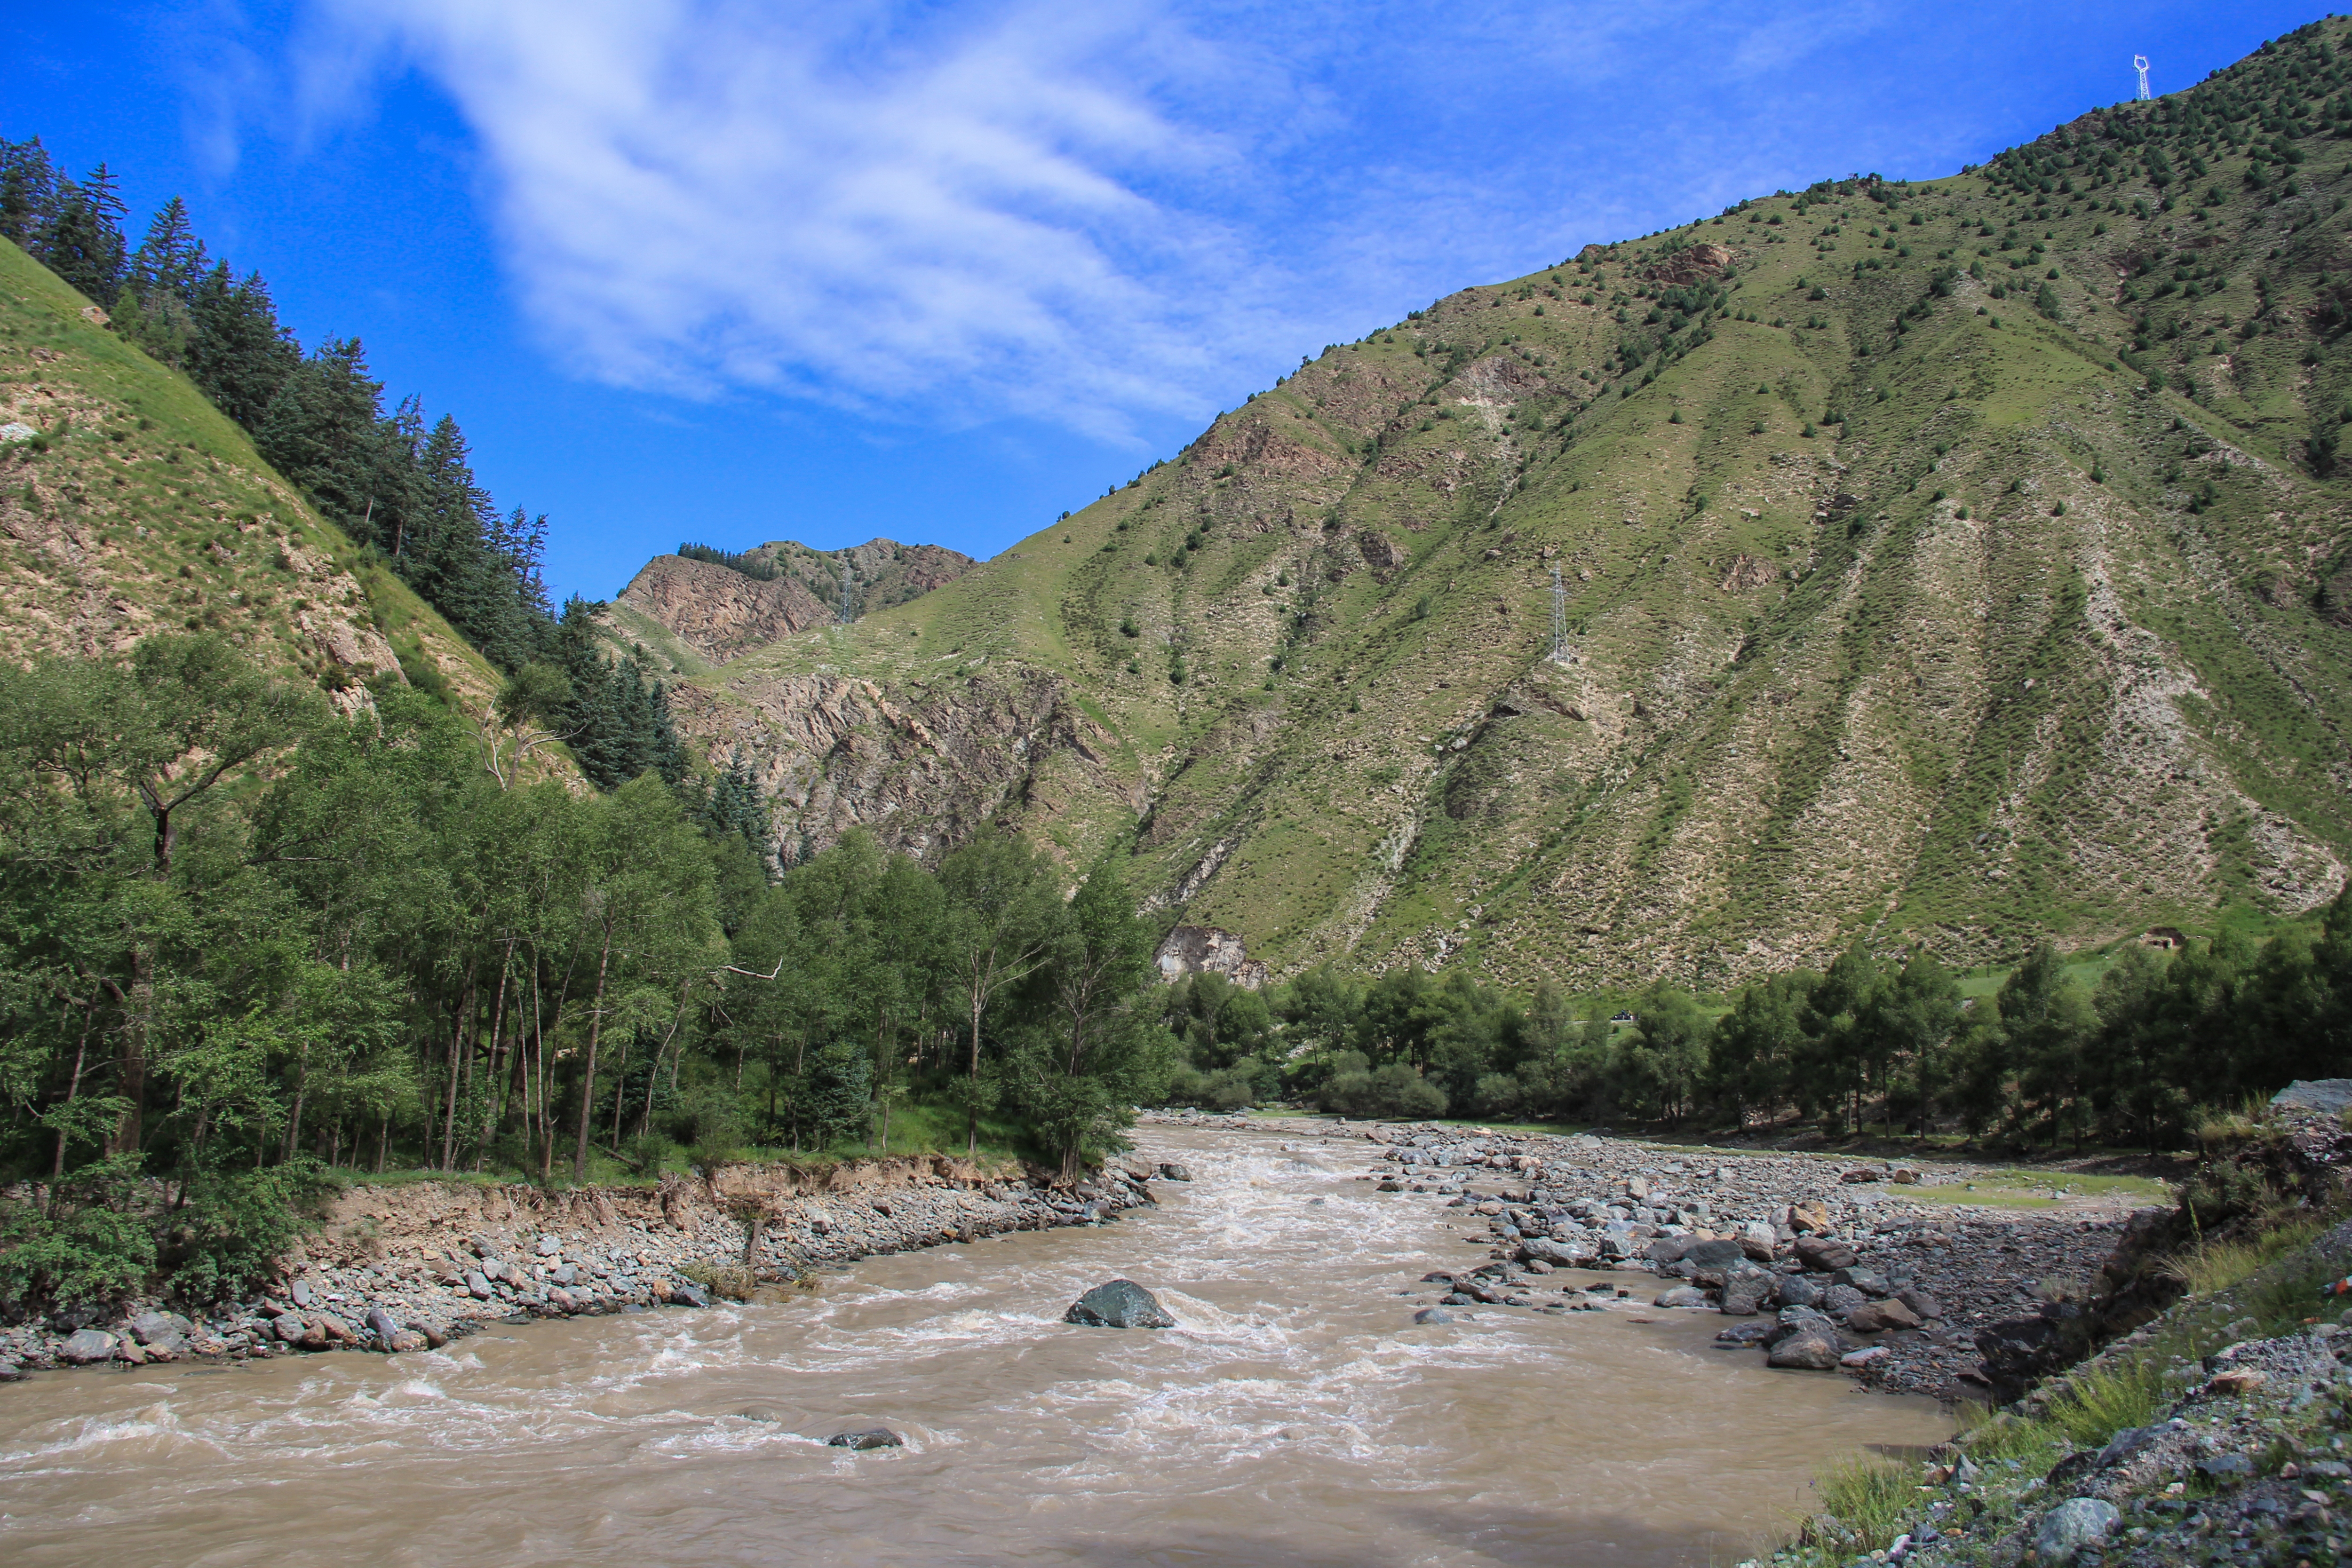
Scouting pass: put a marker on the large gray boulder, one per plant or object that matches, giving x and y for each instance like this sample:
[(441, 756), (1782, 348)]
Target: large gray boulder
[(871, 1438), (1558, 1253), (1796, 1290), (153, 1328), (1840, 1300), (1118, 1304), (1716, 1255), (84, 1347), (2071, 1526), (1807, 1351)]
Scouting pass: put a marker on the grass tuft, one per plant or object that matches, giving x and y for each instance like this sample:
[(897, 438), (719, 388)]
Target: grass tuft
[(1872, 1495)]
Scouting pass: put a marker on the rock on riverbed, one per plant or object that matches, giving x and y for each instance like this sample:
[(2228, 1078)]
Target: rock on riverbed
[(1841, 1248), (1118, 1304)]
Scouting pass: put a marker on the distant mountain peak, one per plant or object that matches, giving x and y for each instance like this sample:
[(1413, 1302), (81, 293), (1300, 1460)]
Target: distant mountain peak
[(723, 604)]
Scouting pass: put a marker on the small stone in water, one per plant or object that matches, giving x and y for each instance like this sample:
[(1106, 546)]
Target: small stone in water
[(872, 1437)]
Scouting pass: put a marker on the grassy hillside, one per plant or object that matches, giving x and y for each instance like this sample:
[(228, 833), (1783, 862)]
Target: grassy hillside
[(136, 505), (1955, 561)]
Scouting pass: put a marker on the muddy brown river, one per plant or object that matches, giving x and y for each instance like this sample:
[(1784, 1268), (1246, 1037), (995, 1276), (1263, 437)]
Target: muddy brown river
[(1295, 1417)]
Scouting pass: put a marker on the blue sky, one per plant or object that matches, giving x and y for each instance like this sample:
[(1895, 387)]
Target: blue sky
[(734, 272)]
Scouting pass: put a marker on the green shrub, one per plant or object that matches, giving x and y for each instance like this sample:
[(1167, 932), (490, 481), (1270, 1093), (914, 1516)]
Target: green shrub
[(1394, 1090), (86, 1247), (229, 1228), (1498, 1096)]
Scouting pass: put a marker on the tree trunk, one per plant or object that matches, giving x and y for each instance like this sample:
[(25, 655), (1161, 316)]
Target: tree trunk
[(588, 1074), (620, 1091), (458, 1039), (294, 1118), (73, 1088), (131, 1065), (494, 1075), (971, 1127), (646, 1122)]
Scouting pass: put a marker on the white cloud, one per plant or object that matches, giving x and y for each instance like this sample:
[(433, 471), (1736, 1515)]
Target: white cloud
[(995, 213), (1091, 212)]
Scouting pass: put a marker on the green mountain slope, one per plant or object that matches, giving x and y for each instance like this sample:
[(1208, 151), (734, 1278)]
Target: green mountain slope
[(1956, 561), (128, 504)]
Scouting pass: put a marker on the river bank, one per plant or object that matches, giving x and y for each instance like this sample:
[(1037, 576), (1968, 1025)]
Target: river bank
[(410, 1266)]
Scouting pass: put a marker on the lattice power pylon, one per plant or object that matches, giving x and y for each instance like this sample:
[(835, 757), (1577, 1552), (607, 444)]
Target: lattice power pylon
[(2139, 63), (1559, 650)]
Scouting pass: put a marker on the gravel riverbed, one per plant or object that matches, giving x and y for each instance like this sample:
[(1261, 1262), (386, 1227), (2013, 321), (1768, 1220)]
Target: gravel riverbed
[(1816, 1262)]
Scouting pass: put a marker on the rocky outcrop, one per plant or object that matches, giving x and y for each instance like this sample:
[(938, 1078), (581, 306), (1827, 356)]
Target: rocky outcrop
[(1689, 266), (719, 613), (1205, 949), (722, 613), (923, 766)]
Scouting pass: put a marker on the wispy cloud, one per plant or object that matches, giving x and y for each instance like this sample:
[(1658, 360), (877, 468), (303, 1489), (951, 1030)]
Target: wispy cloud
[(1091, 211), (1002, 213)]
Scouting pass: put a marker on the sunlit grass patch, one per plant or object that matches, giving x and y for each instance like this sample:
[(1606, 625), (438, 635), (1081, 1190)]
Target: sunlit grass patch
[(1874, 1497), (1990, 1198)]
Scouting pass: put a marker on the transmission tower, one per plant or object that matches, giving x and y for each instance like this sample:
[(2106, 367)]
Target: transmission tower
[(848, 595), (2140, 63), (1559, 654)]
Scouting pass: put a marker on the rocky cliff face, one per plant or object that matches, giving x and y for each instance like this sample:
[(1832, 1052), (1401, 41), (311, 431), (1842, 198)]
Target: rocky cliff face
[(720, 612), (1950, 562)]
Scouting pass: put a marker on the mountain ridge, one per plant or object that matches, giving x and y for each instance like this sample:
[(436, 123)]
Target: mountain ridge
[(1920, 586)]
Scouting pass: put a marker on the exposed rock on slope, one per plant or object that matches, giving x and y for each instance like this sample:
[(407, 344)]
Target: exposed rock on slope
[(720, 612)]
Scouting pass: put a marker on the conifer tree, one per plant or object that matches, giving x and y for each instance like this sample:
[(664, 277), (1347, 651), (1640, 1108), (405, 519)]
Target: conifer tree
[(238, 354), (170, 259), (82, 242), (27, 190)]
